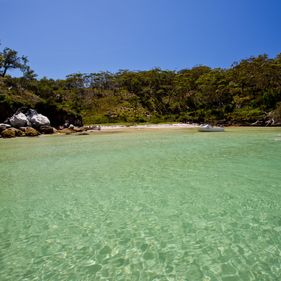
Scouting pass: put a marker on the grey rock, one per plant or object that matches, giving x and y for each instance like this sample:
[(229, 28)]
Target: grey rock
[(37, 119), (19, 120), (4, 127)]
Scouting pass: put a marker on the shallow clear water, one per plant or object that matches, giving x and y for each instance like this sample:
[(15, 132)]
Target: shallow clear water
[(142, 205)]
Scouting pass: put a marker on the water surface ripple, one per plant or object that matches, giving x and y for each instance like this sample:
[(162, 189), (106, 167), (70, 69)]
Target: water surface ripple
[(142, 205)]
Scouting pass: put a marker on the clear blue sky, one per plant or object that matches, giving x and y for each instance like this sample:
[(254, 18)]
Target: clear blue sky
[(67, 36)]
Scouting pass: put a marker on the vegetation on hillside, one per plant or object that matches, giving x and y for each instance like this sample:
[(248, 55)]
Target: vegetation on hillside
[(249, 91)]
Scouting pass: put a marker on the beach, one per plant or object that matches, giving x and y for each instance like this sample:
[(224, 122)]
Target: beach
[(150, 126)]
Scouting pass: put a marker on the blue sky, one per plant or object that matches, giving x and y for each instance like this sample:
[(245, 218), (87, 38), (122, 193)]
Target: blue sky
[(68, 36)]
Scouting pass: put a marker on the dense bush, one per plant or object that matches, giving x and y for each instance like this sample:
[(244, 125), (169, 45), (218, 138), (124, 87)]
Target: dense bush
[(244, 93)]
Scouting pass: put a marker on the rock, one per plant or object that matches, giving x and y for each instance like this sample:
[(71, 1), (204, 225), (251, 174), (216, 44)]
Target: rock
[(18, 132), (37, 119), (31, 132), (78, 129), (11, 133), (66, 131), (23, 129), (40, 120), (71, 126), (8, 133), (4, 126), (45, 129), (19, 120)]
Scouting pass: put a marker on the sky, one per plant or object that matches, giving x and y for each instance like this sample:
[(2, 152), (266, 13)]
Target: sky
[(61, 37)]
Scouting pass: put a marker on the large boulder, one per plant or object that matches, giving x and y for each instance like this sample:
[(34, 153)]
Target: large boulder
[(31, 132), (11, 133), (37, 119), (8, 133), (19, 120)]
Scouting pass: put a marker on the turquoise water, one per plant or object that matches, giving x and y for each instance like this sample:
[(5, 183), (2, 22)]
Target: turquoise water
[(142, 205)]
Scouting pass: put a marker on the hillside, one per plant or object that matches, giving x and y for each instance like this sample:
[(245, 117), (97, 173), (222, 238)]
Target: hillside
[(248, 92)]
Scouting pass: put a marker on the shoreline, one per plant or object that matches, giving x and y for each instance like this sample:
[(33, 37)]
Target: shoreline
[(130, 128), (150, 126)]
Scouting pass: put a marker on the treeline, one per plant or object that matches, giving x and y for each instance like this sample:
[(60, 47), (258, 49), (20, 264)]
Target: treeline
[(248, 92)]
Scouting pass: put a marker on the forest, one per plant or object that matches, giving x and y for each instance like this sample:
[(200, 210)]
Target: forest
[(247, 93)]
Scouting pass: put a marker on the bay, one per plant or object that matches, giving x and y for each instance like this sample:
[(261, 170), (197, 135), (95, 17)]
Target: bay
[(169, 204)]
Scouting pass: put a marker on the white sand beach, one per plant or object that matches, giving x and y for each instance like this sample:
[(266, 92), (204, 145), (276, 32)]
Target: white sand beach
[(150, 126)]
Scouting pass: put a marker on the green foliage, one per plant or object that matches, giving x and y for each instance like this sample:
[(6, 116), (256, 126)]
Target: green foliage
[(244, 93), (246, 114)]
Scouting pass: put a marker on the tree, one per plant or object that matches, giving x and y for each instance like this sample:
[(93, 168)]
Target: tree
[(9, 59)]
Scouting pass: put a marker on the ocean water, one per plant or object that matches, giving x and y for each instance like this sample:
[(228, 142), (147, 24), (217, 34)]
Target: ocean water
[(142, 205)]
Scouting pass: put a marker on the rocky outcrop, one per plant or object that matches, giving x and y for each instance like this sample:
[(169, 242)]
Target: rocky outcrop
[(26, 122), (25, 117), (78, 130)]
